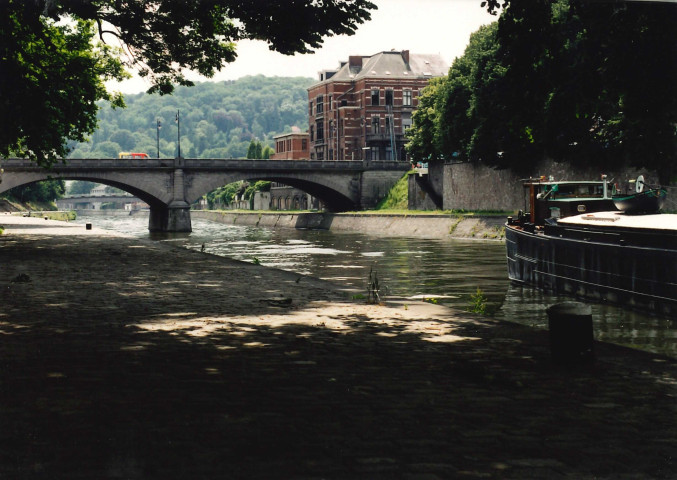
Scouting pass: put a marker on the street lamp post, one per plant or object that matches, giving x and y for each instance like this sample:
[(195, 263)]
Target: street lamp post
[(159, 126), (178, 124)]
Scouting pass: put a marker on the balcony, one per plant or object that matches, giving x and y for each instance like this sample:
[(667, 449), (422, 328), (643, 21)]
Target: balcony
[(384, 137)]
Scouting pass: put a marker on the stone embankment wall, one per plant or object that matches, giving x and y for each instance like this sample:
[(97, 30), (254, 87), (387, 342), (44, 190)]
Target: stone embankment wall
[(473, 187), (421, 226), (468, 186)]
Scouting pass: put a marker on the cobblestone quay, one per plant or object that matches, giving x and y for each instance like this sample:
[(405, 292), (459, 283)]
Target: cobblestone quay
[(123, 359)]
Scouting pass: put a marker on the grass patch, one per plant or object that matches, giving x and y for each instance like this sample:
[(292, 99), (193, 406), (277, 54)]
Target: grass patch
[(478, 303), (397, 197)]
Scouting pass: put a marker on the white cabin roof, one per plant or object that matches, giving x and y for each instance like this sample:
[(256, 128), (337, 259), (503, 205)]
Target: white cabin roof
[(659, 221)]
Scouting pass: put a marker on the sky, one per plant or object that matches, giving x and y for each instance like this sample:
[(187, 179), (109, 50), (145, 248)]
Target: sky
[(420, 26)]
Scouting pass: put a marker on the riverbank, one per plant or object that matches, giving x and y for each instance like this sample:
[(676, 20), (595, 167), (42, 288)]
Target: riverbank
[(122, 358), (438, 226)]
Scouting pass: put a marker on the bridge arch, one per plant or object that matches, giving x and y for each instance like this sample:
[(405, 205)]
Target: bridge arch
[(28, 178), (337, 194), (137, 185)]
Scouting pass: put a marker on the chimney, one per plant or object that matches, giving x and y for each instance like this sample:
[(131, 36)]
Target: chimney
[(405, 56)]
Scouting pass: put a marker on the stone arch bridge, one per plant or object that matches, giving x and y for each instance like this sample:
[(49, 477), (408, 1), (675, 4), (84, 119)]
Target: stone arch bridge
[(170, 186)]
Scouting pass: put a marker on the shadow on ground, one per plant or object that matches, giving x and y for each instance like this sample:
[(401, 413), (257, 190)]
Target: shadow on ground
[(91, 389)]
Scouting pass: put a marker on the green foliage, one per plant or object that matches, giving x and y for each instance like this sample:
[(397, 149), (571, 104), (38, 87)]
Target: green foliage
[(42, 192), (51, 76), (580, 82), (60, 216), (80, 187), (223, 196), (201, 36), (423, 136), (397, 197), (478, 302), (255, 150), (267, 152), (260, 186), (52, 71), (217, 120)]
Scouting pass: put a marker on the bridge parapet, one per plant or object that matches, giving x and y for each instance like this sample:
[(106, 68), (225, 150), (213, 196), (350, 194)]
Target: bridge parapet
[(204, 163), (170, 185)]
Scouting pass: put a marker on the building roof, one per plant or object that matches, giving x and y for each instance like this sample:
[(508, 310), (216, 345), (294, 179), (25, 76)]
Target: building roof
[(292, 134), (392, 64)]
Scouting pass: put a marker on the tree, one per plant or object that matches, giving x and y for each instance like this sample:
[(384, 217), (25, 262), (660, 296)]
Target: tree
[(568, 80), (424, 135), (52, 72), (51, 75), (465, 103), (124, 138), (267, 152), (593, 83), (46, 191), (255, 150), (80, 187)]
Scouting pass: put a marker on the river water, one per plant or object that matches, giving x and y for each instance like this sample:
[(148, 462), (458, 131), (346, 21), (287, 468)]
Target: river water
[(450, 271)]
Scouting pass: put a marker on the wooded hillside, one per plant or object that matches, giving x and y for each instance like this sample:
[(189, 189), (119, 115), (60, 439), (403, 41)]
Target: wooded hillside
[(218, 119)]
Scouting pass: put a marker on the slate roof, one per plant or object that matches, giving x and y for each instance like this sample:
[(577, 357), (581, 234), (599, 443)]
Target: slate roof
[(392, 65)]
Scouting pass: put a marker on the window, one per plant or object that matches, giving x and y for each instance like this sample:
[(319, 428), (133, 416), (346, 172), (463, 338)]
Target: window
[(389, 97), (320, 130), (406, 122), (388, 124), (320, 104), (374, 96), (304, 144), (375, 125), (310, 110), (312, 134), (406, 98)]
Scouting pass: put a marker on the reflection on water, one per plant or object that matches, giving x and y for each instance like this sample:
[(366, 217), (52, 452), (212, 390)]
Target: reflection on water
[(450, 271)]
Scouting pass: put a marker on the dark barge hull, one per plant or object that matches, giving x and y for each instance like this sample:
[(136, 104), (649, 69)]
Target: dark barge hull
[(615, 268)]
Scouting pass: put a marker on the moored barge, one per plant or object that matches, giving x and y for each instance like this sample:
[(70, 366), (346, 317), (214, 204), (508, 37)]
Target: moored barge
[(579, 244)]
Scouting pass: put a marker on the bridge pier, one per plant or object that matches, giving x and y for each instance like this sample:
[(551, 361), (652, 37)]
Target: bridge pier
[(174, 217)]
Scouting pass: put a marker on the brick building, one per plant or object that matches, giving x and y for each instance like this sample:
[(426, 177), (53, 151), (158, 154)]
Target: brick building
[(291, 146), (362, 110)]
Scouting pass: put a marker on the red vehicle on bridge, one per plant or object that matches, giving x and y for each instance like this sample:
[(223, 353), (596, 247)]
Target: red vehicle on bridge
[(133, 155)]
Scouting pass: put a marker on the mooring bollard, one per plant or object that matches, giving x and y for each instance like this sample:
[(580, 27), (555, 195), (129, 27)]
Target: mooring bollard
[(88, 226), (571, 333)]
